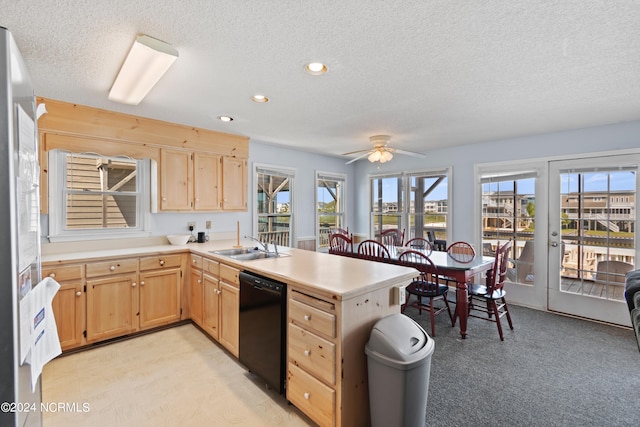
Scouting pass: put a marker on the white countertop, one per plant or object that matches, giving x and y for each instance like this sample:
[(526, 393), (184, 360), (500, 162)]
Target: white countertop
[(333, 276)]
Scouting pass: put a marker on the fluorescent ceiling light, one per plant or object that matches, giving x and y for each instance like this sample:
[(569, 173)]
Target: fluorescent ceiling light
[(145, 64)]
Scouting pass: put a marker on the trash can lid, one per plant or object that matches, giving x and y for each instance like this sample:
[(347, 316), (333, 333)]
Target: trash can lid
[(400, 338)]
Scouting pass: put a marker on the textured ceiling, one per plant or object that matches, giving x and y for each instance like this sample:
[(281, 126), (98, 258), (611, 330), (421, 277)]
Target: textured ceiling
[(429, 73)]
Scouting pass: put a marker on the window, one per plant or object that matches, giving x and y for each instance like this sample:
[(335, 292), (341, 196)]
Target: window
[(425, 212), (93, 195), (330, 206), (274, 205)]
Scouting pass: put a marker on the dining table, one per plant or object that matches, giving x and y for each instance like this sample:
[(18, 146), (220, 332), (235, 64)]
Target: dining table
[(461, 272)]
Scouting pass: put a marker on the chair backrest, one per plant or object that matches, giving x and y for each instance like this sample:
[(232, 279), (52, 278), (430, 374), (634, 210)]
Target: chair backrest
[(461, 252), (340, 244), (372, 249), (496, 279), (524, 263), (338, 230), (612, 271), (392, 237), (431, 235), (422, 263), (420, 243)]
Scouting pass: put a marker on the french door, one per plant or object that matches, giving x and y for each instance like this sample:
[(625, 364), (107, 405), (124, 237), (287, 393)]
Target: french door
[(591, 235)]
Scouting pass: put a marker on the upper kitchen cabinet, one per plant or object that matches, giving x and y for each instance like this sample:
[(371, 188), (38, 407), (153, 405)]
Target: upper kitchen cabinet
[(234, 184), (199, 169), (195, 181)]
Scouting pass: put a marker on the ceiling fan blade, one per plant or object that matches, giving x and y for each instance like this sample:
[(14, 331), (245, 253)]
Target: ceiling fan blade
[(356, 152), (358, 158), (410, 153)]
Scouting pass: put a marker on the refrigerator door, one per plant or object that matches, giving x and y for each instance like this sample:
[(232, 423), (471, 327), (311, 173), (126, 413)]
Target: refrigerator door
[(19, 232)]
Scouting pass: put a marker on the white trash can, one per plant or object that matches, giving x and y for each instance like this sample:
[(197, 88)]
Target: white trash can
[(399, 361)]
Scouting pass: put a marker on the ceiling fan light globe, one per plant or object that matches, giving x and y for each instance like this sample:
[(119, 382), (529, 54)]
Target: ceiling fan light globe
[(374, 157), (387, 155)]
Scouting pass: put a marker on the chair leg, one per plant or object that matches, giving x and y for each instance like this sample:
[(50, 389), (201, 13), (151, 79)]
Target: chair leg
[(506, 309), (433, 317), (444, 298), (494, 308)]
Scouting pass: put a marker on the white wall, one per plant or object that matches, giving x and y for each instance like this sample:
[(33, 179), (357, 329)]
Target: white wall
[(569, 144)]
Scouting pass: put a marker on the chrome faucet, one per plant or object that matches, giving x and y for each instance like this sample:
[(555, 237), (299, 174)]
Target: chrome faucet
[(264, 245), (275, 247)]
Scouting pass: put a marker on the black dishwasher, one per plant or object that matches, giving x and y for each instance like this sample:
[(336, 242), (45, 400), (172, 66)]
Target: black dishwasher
[(262, 327)]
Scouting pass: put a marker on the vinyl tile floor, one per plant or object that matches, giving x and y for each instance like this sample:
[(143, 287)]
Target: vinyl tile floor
[(173, 377)]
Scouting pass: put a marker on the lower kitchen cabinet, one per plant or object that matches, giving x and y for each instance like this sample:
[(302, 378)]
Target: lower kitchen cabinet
[(195, 295), (230, 308), (159, 298), (112, 306), (69, 304), (211, 301)]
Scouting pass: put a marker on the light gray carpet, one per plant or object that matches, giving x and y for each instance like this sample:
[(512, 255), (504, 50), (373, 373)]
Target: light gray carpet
[(551, 370)]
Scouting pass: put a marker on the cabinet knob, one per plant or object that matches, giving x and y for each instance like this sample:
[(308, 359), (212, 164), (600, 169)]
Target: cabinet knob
[(199, 280), (52, 275), (142, 283), (161, 262), (133, 284), (307, 395), (112, 268), (194, 261), (164, 199), (307, 317), (218, 291), (78, 294), (307, 353)]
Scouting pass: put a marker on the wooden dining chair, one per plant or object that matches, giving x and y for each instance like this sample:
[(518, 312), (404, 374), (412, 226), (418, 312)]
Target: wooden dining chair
[(392, 237), (340, 244), (489, 299), (427, 285), (421, 244), (373, 250), (461, 252), (338, 230)]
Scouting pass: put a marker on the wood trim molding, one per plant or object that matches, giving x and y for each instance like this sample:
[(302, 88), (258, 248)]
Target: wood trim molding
[(82, 121)]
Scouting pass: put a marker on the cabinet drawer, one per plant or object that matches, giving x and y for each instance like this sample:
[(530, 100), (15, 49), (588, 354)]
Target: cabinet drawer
[(211, 266), (160, 261), (311, 396), (314, 354), (229, 274), (312, 318), (63, 272), (116, 266), (196, 261)]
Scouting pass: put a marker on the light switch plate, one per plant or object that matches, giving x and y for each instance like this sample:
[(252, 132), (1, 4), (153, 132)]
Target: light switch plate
[(399, 295), (207, 225)]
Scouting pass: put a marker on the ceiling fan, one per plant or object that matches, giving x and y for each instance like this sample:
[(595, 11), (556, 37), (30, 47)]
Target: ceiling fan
[(381, 152)]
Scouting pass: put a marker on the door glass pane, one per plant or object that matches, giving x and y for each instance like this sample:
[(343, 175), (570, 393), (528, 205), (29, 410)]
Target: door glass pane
[(508, 213), (330, 208), (428, 207), (598, 231), (387, 195), (274, 208)]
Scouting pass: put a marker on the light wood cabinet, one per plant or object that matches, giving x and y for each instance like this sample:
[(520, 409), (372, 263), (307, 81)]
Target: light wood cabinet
[(230, 308), (112, 306), (159, 297), (234, 184), (176, 180), (195, 290), (200, 181), (311, 367), (69, 304), (211, 302)]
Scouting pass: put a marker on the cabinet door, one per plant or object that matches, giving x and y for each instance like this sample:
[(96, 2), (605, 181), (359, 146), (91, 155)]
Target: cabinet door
[(230, 317), (159, 297), (206, 182), (176, 174), (234, 183), (68, 309), (112, 304), (195, 296), (211, 309)]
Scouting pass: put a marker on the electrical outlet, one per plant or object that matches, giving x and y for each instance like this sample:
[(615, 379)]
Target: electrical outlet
[(207, 225), (191, 225)]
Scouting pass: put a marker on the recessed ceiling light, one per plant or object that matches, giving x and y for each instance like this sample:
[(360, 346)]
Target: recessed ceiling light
[(315, 68), (260, 98), (225, 118)]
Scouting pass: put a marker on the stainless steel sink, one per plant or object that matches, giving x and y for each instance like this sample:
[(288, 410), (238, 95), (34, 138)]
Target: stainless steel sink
[(235, 251), (247, 254)]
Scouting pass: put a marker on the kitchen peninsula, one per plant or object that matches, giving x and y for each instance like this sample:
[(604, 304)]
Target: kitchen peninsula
[(332, 304)]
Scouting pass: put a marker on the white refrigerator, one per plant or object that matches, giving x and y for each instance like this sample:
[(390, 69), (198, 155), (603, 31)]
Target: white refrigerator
[(19, 237)]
